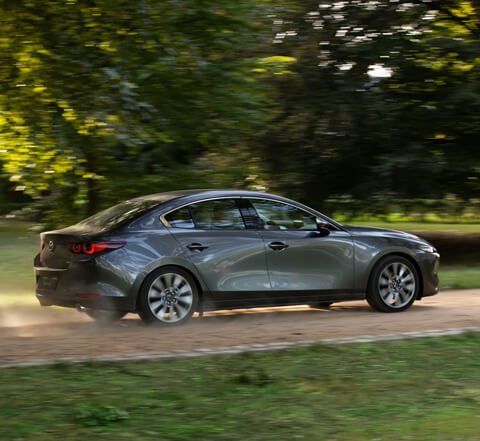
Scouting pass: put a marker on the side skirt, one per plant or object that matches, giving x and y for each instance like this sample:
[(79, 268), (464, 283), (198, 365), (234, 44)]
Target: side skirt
[(250, 299)]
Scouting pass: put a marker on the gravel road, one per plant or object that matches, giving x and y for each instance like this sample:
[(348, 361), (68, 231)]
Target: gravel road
[(35, 332)]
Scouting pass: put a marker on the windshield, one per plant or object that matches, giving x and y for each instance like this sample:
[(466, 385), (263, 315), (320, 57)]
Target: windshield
[(120, 213)]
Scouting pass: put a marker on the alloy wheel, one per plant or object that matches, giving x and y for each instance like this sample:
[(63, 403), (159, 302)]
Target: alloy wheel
[(170, 297), (396, 285)]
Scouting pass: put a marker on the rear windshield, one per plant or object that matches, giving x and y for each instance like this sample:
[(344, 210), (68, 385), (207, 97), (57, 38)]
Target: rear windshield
[(118, 214)]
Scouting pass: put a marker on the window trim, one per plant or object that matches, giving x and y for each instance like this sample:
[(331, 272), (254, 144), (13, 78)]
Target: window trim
[(166, 224)]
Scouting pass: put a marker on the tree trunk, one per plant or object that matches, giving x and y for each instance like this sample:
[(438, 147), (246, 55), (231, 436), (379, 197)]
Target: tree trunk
[(92, 193)]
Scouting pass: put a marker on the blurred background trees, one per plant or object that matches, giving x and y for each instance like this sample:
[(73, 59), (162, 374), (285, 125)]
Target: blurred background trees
[(361, 101)]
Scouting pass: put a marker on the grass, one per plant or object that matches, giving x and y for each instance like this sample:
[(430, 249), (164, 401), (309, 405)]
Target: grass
[(459, 277), (423, 390), (18, 247)]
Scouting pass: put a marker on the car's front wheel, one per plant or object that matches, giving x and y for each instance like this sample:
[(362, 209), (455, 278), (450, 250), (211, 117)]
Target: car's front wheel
[(393, 285), (169, 296)]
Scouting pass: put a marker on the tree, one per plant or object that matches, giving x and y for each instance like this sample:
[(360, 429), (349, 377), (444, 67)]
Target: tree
[(383, 100), (113, 94)]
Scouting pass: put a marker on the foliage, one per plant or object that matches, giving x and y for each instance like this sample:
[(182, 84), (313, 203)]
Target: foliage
[(113, 90), (384, 101), (104, 100)]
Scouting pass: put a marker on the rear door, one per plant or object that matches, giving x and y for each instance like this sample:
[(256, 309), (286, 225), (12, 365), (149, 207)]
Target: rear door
[(230, 258), (299, 259)]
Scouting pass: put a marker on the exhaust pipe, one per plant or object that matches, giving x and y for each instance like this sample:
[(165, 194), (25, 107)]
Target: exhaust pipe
[(81, 308)]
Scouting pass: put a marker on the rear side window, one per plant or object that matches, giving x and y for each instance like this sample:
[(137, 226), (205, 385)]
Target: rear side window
[(220, 214), (180, 218)]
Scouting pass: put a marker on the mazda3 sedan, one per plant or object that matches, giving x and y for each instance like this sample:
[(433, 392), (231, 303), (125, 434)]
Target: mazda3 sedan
[(167, 255)]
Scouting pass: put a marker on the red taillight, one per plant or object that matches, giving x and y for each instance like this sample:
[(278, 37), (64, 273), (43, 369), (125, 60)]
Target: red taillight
[(76, 248), (92, 248), (88, 248)]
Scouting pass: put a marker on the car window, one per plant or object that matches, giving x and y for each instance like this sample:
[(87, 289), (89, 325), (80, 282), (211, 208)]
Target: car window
[(279, 216), (220, 214), (121, 213), (180, 218)]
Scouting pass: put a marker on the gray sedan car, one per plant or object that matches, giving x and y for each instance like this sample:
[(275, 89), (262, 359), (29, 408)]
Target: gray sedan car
[(167, 255)]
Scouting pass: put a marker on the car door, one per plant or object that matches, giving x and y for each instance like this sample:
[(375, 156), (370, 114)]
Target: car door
[(230, 258), (299, 258)]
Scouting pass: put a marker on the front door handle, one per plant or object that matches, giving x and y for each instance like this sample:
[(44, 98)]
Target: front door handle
[(278, 246), (195, 246)]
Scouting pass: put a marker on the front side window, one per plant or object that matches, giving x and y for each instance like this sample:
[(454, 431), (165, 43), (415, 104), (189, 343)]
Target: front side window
[(220, 214), (280, 216)]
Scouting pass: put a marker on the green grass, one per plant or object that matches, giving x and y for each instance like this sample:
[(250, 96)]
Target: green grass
[(18, 247), (459, 277), (424, 389)]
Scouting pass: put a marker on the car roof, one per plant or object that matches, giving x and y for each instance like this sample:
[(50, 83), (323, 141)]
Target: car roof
[(169, 195)]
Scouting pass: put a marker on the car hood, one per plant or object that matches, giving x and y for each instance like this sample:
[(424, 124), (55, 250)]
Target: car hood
[(356, 230)]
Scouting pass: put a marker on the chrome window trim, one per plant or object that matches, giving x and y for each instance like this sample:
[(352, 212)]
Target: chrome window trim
[(166, 224)]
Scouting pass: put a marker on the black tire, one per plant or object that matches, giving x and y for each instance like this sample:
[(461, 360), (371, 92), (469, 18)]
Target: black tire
[(104, 316), (147, 310), (377, 300), (321, 305)]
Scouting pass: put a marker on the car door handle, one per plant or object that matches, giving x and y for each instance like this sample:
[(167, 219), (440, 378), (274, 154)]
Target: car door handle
[(277, 246), (196, 247)]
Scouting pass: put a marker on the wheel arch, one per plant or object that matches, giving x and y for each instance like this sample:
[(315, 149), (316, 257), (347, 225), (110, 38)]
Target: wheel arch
[(185, 266), (405, 255)]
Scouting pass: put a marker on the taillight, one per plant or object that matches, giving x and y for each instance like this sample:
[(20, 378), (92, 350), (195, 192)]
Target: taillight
[(92, 248), (76, 248), (42, 245)]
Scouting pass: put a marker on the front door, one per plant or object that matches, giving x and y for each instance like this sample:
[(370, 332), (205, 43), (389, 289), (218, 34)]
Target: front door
[(299, 258)]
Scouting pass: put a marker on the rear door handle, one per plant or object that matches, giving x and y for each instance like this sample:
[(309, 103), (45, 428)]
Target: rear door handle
[(195, 246), (278, 246)]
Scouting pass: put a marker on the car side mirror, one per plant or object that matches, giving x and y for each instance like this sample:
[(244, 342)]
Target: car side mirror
[(322, 227)]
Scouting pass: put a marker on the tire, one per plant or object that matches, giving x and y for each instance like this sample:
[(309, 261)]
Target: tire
[(105, 317), (393, 285), (169, 296), (321, 305)]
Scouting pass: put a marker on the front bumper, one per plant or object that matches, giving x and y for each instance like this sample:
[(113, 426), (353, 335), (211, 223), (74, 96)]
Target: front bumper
[(429, 264), (82, 284)]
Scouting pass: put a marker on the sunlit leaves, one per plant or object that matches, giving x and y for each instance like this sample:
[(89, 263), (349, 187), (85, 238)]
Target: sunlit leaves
[(99, 87)]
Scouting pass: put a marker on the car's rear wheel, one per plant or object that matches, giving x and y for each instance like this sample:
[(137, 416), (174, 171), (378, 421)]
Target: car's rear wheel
[(393, 285), (169, 296), (105, 317)]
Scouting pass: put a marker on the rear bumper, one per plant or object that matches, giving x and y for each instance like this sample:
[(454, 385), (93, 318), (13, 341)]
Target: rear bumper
[(82, 284)]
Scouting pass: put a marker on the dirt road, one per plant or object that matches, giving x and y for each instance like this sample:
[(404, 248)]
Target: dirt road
[(34, 332)]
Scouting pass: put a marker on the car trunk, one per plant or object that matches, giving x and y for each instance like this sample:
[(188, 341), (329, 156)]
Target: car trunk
[(56, 251)]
